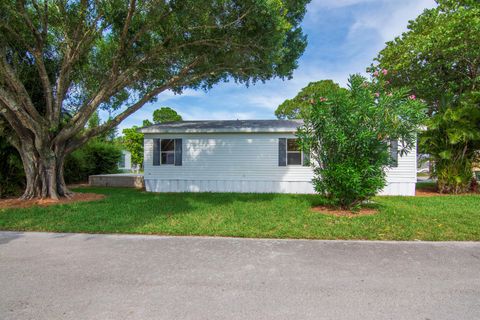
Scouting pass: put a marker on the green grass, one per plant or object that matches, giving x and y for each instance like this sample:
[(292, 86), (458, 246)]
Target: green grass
[(252, 215)]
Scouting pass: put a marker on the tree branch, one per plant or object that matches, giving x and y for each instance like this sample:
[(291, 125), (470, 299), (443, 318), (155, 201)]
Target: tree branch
[(176, 80), (12, 119), (38, 54), (71, 56), (18, 90)]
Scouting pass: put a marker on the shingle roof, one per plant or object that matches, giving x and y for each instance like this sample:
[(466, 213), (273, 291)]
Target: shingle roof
[(225, 126)]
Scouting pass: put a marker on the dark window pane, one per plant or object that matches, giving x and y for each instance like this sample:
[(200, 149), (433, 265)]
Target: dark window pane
[(294, 158), (168, 158), (292, 145), (168, 145), (122, 161)]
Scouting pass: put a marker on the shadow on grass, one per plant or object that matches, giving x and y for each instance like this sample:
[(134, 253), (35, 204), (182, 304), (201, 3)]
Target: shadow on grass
[(132, 211)]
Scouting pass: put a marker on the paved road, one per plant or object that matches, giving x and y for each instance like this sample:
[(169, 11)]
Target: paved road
[(71, 276)]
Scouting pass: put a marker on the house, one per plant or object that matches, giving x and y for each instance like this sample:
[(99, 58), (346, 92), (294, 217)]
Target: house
[(258, 156), (125, 163)]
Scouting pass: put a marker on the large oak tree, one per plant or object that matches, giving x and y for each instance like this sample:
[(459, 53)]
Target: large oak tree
[(60, 61)]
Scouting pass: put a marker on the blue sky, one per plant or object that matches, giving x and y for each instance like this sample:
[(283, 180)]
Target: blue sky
[(343, 38)]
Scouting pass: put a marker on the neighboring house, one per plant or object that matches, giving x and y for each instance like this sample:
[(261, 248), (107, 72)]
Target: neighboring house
[(258, 156), (423, 164), (125, 163)]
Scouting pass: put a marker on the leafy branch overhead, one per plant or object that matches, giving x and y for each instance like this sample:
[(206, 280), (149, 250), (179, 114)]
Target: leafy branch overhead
[(61, 61)]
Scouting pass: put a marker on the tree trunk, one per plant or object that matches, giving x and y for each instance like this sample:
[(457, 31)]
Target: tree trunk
[(44, 172)]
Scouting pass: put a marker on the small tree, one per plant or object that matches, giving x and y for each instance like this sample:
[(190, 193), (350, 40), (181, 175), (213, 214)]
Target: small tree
[(132, 140), (348, 133), (166, 114)]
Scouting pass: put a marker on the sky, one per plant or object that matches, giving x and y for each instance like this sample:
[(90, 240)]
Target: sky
[(344, 36)]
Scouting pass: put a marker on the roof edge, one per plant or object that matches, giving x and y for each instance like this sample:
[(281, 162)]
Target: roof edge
[(170, 127)]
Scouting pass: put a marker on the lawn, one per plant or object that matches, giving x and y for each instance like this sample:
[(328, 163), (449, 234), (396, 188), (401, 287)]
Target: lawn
[(252, 215)]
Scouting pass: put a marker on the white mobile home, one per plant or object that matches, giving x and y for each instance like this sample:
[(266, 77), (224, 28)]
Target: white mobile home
[(240, 156)]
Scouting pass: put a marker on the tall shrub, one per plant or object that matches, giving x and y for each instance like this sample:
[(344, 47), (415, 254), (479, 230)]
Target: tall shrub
[(96, 157), (349, 132)]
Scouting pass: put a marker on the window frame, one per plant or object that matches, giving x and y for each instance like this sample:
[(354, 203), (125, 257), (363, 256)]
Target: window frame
[(167, 152), (295, 152)]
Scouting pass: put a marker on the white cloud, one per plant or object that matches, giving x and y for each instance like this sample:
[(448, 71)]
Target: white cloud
[(390, 19), (169, 95), (200, 114)]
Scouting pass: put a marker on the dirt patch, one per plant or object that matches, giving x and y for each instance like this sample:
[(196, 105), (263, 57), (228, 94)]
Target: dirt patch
[(77, 197), (345, 213), (432, 192)]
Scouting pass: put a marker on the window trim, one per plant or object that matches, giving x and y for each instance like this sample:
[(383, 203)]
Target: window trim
[(167, 152), (287, 152)]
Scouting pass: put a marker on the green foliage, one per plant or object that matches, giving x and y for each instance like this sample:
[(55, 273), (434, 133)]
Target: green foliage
[(146, 123), (12, 177), (214, 41), (166, 114), (132, 140), (348, 132), (453, 140), (438, 58), (94, 121), (292, 108), (96, 157)]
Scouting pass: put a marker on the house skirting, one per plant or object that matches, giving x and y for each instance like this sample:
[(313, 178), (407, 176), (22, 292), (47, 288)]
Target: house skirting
[(253, 186)]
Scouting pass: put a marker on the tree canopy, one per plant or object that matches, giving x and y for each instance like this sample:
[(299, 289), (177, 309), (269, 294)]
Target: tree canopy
[(292, 108), (60, 61), (166, 114), (439, 59)]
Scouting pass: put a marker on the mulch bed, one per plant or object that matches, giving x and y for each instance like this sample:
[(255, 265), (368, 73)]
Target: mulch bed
[(432, 192), (77, 197), (345, 213)]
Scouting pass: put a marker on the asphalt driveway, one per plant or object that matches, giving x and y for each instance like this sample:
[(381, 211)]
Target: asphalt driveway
[(71, 276)]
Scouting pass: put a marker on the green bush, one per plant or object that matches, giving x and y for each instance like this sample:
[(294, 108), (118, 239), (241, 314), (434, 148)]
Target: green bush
[(12, 177), (349, 131), (97, 157)]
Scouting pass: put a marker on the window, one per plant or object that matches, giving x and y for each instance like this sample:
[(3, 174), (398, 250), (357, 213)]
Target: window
[(393, 149), (294, 154), (121, 164), (167, 153)]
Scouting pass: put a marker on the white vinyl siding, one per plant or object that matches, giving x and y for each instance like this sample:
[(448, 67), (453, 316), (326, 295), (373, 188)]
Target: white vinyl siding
[(251, 157), (245, 162), (401, 179)]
